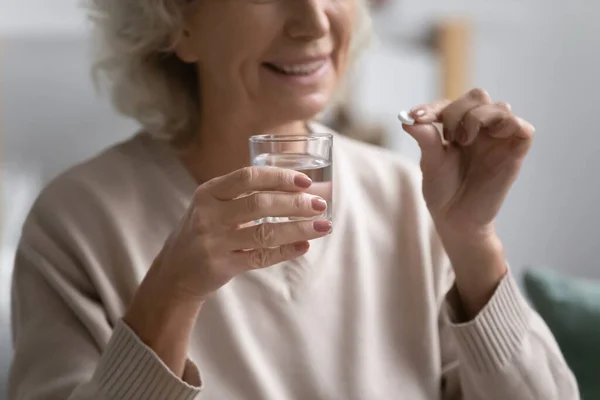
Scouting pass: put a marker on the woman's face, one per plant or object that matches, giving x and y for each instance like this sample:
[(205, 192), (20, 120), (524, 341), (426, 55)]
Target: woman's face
[(278, 59)]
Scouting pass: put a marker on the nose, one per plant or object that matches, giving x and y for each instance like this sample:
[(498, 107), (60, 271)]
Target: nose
[(308, 19)]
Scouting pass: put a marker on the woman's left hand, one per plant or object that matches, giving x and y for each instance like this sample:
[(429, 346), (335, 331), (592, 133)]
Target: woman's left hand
[(466, 179), (467, 176)]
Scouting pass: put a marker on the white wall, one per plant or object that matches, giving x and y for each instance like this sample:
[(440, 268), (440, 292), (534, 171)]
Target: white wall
[(543, 59), (40, 16), (550, 76), (551, 216)]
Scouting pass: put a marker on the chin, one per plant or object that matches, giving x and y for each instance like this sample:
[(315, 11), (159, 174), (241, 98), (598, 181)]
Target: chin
[(303, 108)]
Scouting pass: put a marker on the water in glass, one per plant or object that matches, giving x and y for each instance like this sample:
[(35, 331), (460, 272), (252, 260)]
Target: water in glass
[(316, 168)]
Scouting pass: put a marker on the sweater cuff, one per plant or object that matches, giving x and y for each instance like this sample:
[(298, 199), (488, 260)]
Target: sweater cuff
[(489, 341), (128, 369)]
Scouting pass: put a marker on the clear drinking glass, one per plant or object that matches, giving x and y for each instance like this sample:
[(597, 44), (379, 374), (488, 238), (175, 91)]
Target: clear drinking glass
[(309, 153)]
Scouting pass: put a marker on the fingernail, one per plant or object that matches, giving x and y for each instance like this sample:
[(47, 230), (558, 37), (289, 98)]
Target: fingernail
[(302, 246), (418, 112), (302, 181), (322, 226), (318, 204)]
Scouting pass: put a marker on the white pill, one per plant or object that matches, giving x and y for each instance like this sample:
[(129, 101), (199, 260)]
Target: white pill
[(405, 118)]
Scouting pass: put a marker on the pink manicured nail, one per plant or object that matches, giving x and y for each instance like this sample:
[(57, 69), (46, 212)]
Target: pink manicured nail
[(322, 226), (302, 246), (318, 204), (302, 181)]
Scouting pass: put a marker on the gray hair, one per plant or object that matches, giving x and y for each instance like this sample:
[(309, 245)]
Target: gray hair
[(134, 42)]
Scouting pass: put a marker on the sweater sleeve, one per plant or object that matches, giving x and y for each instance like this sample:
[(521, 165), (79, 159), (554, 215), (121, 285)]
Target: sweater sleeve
[(64, 346), (505, 352)]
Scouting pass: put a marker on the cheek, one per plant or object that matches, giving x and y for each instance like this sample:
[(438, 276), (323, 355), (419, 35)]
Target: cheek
[(224, 53), (230, 44), (230, 65), (343, 21)]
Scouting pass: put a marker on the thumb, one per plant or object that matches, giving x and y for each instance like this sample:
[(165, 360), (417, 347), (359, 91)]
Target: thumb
[(429, 140)]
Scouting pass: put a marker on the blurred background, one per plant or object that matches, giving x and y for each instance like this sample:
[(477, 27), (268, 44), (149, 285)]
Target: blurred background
[(540, 55)]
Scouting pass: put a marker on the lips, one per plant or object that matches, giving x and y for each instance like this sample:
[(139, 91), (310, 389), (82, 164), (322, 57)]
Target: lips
[(298, 68)]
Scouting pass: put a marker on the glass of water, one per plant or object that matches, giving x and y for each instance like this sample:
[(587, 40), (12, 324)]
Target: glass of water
[(309, 153)]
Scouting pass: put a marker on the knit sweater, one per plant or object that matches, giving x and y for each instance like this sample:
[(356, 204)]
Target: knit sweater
[(366, 314)]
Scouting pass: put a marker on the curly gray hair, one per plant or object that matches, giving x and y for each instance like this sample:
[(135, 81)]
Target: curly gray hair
[(147, 81)]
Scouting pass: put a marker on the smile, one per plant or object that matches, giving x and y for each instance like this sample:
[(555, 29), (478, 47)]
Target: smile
[(303, 69)]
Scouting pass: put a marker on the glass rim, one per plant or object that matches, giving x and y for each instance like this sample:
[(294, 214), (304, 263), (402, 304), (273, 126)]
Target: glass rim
[(278, 138)]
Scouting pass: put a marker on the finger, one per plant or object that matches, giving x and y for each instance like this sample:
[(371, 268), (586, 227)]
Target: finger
[(453, 115), (263, 204), (504, 105), (429, 140), (479, 118), (450, 113), (513, 126), (251, 179), (322, 189), (262, 258), (429, 113), (272, 235), (527, 130)]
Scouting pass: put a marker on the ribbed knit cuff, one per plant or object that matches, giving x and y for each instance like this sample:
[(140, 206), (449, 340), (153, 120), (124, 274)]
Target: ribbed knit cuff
[(130, 370), (489, 341)]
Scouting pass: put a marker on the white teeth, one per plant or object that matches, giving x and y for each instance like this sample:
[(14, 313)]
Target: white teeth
[(301, 69)]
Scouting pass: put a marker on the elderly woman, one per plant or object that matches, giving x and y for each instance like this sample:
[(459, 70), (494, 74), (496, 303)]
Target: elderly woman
[(138, 276)]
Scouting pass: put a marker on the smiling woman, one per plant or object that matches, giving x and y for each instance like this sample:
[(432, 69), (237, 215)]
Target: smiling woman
[(145, 261), (243, 54)]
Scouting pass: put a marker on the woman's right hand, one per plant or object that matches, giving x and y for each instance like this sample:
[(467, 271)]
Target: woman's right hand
[(214, 242)]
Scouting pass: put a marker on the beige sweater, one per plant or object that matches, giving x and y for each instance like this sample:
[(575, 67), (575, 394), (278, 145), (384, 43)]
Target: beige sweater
[(362, 316)]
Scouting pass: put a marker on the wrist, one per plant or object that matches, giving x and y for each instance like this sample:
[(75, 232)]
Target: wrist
[(154, 311), (163, 320), (479, 266)]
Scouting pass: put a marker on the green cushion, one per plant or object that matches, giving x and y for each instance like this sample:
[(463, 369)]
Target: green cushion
[(571, 308)]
